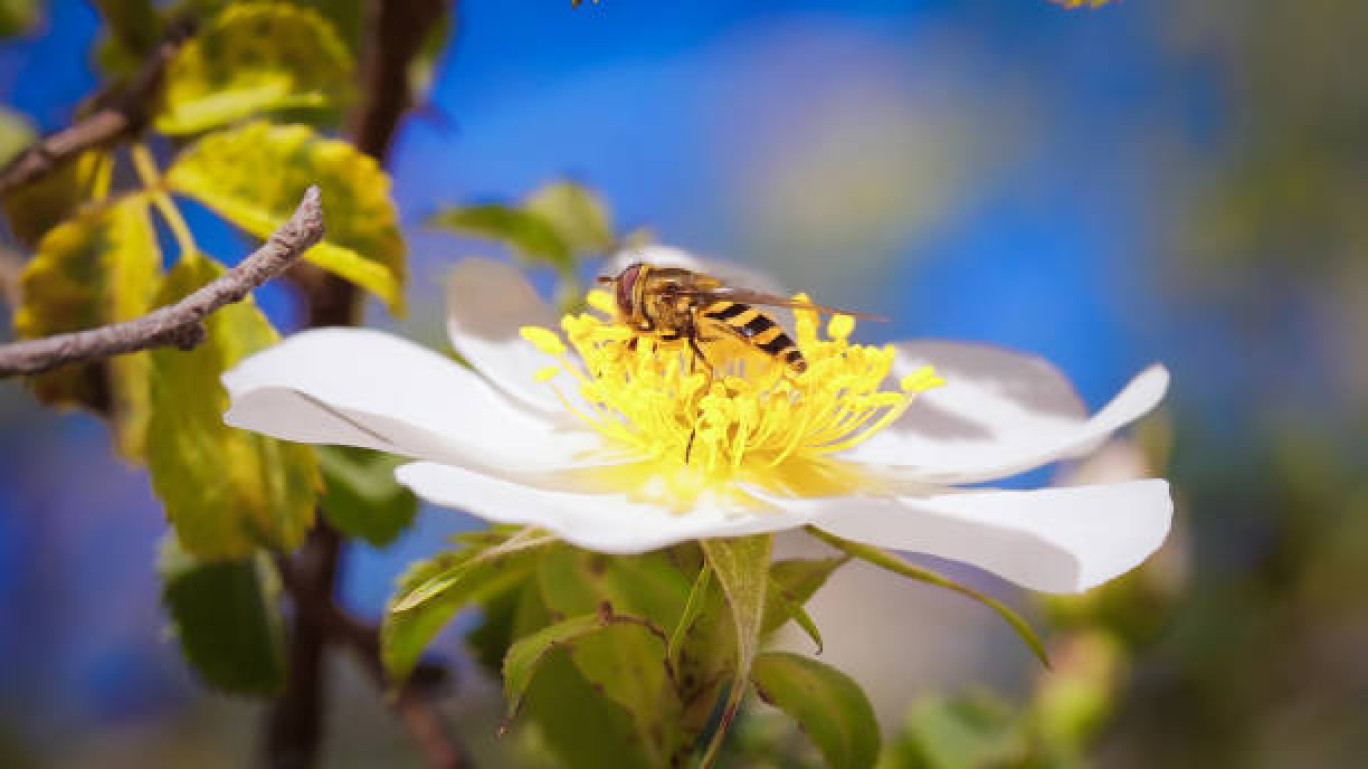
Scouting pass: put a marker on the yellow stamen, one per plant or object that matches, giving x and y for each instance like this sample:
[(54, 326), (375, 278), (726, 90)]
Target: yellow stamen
[(751, 420)]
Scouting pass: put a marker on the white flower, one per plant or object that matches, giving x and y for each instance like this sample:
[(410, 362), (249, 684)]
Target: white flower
[(598, 459)]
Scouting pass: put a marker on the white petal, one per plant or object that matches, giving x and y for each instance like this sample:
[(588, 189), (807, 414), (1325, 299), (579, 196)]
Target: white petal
[(668, 256), (1055, 540), (999, 413), (487, 302), (360, 387), (608, 523)]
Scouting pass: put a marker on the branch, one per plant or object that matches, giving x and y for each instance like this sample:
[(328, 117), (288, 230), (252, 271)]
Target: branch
[(414, 702), (179, 324), (117, 115)]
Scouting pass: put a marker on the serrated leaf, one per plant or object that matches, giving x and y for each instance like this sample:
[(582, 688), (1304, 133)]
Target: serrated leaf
[(226, 618), (741, 566), (524, 656), (101, 267), (797, 579), (576, 214), (254, 58), (830, 707), (527, 233), (254, 175), (623, 663), (581, 727), (226, 492), (360, 496), (433, 591), (899, 566)]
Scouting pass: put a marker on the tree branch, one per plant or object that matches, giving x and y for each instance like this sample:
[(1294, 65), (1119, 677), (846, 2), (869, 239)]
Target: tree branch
[(116, 115), (179, 324)]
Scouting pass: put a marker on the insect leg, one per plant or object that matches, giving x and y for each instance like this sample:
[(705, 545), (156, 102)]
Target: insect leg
[(692, 332)]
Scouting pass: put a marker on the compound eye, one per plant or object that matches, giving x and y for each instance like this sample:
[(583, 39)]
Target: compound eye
[(626, 281)]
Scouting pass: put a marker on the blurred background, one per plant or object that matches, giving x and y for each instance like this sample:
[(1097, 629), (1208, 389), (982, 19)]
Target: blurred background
[(1146, 181)]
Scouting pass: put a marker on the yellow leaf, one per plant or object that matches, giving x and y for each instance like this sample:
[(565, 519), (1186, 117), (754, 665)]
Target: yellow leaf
[(226, 491), (98, 268), (255, 175), (254, 58), (35, 208)]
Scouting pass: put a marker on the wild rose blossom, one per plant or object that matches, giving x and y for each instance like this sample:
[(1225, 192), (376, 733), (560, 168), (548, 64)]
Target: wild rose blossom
[(561, 425)]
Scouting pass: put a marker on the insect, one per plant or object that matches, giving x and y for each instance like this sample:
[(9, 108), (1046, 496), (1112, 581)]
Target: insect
[(673, 304)]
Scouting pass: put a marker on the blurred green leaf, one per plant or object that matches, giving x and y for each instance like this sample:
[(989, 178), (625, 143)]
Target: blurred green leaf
[(16, 132), (826, 703), (897, 565), (100, 267), (35, 208), (254, 58), (433, 591), (528, 233), (17, 16), (360, 496), (227, 492), (255, 175), (226, 618), (576, 214), (698, 596), (979, 731), (133, 24)]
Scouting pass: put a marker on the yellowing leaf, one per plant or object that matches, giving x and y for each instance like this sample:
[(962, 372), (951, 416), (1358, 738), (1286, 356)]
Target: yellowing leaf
[(101, 267), (254, 58), (226, 491), (35, 208), (254, 176)]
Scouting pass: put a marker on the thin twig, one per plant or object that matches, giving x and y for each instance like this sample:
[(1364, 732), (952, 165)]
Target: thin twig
[(180, 324), (413, 702), (117, 115)]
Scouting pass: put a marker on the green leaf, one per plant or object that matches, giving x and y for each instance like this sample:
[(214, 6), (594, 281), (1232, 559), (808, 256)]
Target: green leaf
[(741, 566), (576, 214), (433, 591), (698, 597), (17, 16), (254, 58), (623, 663), (523, 657), (35, 208), (226, 618), (580, 726), (897, 565), (101, 267), (826, 703), (226, 491), (797, 580), (781, 608), (16, 132), (527, 233), (255, 175), (360, 496), (132, 24), (952, 734)]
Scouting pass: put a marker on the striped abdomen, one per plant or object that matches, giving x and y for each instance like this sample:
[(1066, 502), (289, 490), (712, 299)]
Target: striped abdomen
[(759, 330)]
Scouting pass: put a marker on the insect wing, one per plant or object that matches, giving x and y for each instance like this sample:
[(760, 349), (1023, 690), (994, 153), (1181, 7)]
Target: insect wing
[(747, 296)]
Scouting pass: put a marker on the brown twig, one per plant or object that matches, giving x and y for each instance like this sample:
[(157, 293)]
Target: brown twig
[(413, 702), (395, 32), (179, 324), (10, 267), (116, 115)]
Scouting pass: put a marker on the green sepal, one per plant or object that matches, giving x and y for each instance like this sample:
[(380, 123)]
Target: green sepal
[(899, 566)]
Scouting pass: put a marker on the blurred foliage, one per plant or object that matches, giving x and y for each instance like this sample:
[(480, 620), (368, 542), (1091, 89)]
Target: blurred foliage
[(361, 499), (18, 16)]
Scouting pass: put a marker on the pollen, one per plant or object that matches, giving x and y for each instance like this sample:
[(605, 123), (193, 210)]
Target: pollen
[(689, 428)]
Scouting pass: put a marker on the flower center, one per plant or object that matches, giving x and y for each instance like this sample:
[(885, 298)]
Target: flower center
[(690, 426)]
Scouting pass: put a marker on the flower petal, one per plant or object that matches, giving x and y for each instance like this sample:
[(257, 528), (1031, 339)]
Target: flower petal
[(608, 523), (360, 387), (1055, 540), (487, 303), (999, 413)]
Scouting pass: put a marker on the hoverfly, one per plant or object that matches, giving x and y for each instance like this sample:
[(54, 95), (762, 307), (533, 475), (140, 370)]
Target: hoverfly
[(673, 304)]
